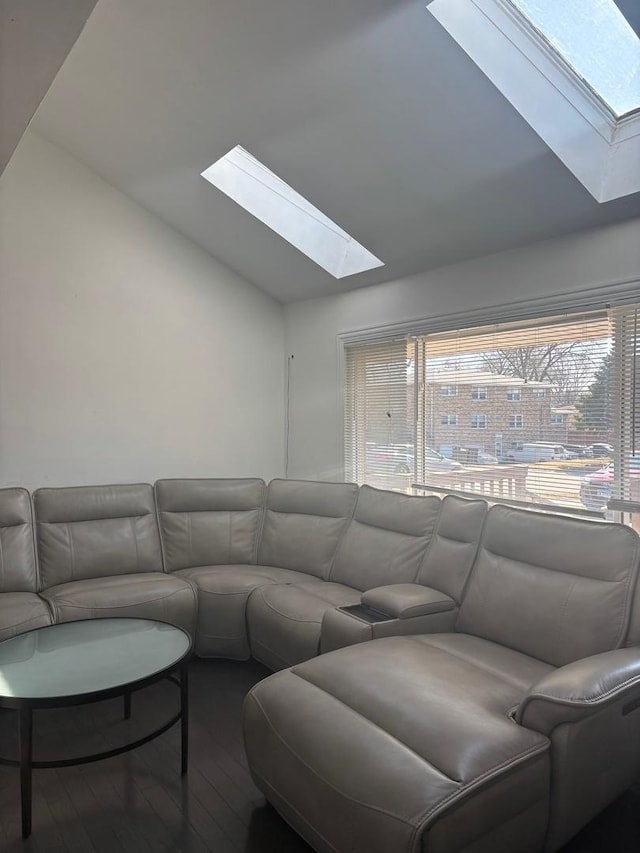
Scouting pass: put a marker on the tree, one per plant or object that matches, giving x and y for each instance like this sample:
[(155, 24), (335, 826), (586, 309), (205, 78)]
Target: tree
[(594, 407), (568, 366)]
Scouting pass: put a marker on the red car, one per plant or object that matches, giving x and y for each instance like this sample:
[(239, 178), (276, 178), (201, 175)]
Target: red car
[(595, 489)]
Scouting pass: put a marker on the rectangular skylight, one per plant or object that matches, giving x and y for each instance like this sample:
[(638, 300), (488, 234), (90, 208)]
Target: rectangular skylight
[(595, 39), (572, 70), (263, 194)]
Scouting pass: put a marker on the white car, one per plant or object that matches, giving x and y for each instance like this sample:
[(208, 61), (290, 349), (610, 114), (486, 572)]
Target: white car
[(486, 458), (436, 461), (400, 459)]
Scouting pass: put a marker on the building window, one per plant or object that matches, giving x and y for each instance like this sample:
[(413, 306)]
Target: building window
[(449, 420), (449, 390), (516, 422), (556, 420), (538, 393), (514, 395), (478, 421), (479, 392)]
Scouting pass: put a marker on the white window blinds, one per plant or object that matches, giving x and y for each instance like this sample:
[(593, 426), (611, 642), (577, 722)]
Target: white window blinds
[(541, 411), (379, 411), (625, 378)]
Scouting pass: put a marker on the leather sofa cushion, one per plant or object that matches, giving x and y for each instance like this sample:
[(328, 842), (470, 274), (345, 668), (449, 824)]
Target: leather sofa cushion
[(304, 522), (209, 522), (96, 531), (151, 595), (453, 546), (552, 587), (223, 592), (17, 554), (370, 744), (481, 680), (387, 539), (22, 611), (285, 620)]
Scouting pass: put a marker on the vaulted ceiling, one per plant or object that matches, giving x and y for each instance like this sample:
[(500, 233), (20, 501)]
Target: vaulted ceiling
[(366, 107)]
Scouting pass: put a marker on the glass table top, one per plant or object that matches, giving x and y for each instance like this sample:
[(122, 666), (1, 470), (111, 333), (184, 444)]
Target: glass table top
[(85, 657)]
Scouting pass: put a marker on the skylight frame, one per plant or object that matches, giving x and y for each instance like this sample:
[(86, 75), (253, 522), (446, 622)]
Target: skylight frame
[(265, 195), (586, 76), (601, 150)]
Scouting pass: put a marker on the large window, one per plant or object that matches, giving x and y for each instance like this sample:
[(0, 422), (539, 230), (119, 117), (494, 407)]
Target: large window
[(576, 380)]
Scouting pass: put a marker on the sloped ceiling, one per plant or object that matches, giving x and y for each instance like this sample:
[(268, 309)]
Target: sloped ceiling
[(34, 42), (366, 107)]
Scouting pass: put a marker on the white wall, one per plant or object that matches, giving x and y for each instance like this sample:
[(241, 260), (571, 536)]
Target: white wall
[(587, 260), (126, 352)]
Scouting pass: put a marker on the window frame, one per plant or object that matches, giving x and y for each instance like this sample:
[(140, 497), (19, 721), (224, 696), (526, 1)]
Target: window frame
[(449, 390), (616, 295), (449, 419)]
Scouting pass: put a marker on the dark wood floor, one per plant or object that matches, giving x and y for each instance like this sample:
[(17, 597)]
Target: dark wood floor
[(138, 803)]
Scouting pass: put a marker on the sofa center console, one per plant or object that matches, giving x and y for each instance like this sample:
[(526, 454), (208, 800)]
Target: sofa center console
[(367, 614), (388, 611)]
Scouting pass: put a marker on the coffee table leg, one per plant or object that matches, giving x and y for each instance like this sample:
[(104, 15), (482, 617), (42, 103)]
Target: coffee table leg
[(184, 715), (26, 756)]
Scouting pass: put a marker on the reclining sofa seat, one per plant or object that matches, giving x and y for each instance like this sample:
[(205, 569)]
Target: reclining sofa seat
[(99, 554), (21, 608), (304, 524), (233, 536), (430, 604), (507, 734), (383, 543)]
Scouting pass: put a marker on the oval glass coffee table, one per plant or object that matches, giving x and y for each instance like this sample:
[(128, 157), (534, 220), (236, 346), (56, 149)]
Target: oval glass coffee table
[(74, 663)]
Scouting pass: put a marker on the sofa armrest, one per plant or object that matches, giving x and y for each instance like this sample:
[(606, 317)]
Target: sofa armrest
[(406, 600), (582, 688)]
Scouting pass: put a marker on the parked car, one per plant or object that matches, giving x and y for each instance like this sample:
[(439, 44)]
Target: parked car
[(389, 458), (582, 451), (438, 462), (486, 458), (600, 449), (596, 488), (400, 459), (567, 454), (467, 455), (537, 451)]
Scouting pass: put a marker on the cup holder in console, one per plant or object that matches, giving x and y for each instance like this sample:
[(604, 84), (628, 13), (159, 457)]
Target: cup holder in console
[(367, 614)]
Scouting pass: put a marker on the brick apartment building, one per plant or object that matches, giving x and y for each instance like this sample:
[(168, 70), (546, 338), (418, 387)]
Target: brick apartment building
[(490, 412)]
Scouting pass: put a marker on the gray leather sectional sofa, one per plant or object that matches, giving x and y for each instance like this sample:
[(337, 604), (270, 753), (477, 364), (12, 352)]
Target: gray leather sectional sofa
[(478, 689)]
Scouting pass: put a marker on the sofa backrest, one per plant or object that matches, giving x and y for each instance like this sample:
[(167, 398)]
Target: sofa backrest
[(209, 522), (553, 587), (386, 539), (303, 523), (633, 634), (454, 545), (96, 531), (17, 554)]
